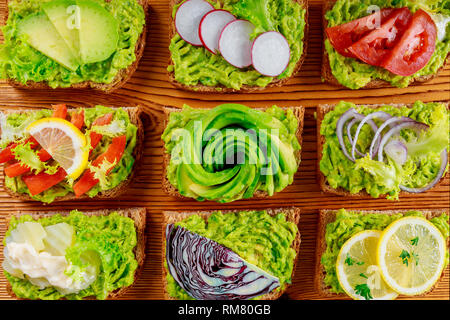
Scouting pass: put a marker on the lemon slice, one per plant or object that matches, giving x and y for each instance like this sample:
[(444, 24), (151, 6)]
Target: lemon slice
[(64, 142), (357, 269), (411, 255)]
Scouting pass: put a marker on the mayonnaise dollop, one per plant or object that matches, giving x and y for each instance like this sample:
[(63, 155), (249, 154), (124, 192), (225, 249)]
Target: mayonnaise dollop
[(441, 21), (43, 269)]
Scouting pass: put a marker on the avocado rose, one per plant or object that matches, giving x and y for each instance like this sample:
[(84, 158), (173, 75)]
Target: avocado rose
[(231, 152)]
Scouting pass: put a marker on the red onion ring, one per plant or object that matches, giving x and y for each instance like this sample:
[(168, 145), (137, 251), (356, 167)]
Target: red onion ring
[(397, 151), (347, 115), (349, 134), (440, 174)]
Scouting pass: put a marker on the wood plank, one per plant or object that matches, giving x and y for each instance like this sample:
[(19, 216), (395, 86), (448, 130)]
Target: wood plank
[(150, 87)]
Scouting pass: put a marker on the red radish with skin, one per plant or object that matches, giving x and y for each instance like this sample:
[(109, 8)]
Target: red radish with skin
[(270, 53), (188, 17), (211, 27), (235, 44)]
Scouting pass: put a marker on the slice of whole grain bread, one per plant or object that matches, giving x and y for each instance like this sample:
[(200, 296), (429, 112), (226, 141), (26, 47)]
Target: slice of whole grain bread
[(292, 214), (245, 88), (322, 110), (135, 114), (122, 76), (327, 74), (137, 214), (329, 216), (299, 113)]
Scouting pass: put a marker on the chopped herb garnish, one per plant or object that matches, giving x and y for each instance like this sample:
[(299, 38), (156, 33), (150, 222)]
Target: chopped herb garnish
[(363, 275), (416, 257), (360, 263), (414, 241), (405, 256), (349, 261), (364, 291)]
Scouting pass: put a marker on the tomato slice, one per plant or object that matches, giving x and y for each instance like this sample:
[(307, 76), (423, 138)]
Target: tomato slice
[(59, 111), (113, 154), (344, 35), (101, 121), (77, 119), (377, 45), (17, 169), (38, 183), (415, 47)]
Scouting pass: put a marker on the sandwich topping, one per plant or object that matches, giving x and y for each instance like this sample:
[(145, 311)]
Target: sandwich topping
[(376, 256), (208, 271), (65, 42), (259, 244), (72, 257), (231, 151), (52, 154), (196, 60), (385, 150), (401, 41)]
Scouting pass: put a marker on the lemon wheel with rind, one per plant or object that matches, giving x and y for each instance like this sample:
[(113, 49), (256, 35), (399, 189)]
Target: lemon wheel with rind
[(357, 270), (411, 254)]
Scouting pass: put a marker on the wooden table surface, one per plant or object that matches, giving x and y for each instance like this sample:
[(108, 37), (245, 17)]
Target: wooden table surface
[(150, 88)]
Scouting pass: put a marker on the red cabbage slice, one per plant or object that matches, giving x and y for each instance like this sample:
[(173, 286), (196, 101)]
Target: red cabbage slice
[(207, 270)]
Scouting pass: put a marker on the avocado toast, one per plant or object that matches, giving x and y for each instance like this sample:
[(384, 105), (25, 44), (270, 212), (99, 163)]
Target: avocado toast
[(250, 177), (341, 174), (128, 230), (336, 226), (348, 72), (115, 48), (114, 139), (248, 228), (224, 77)]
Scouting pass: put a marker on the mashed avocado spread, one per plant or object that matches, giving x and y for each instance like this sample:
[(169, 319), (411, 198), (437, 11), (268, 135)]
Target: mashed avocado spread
[(418, 170), (255, 236), (348, 223), (22, 63), (119, 174), (197, 66), (231, 151), (355, 74), (105, 241)]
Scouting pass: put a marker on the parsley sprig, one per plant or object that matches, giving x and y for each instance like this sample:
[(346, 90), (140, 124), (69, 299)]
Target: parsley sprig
[(364, 291)]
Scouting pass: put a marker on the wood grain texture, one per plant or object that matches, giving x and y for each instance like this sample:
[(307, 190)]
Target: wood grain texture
[(149, 87)]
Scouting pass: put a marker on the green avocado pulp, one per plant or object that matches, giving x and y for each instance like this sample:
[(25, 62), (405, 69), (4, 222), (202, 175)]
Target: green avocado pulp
[(355, 74), (349, 223), (112, 237), (120, 172), (22, 63), (231, 151), (418, 170), (255, 236), (197, 66)]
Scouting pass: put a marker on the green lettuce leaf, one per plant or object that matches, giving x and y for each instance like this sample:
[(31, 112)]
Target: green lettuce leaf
[(258, 13)]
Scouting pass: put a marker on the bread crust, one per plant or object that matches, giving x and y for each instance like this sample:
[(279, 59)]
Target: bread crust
[(322, 110), (327, 74), (137, 214), (122, 76), (328, 216), (299, 113), (244, 88), (292, 214), (135, 118)]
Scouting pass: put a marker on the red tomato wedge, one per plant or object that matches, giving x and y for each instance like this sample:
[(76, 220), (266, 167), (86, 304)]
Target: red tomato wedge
[(17, 169), (60, 111), (113, 154), (101, 121), (77, 119), (374, 47), (38, 183), (415, 47), (7, 153), (344, 35)]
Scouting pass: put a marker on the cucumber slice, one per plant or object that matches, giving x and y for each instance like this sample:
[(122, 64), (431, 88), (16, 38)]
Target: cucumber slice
[(99, 32), (43, 36)]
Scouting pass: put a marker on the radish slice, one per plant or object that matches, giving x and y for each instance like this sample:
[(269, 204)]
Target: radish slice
[(188, 17), (235, 44), (270, 53), (211, 27)]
